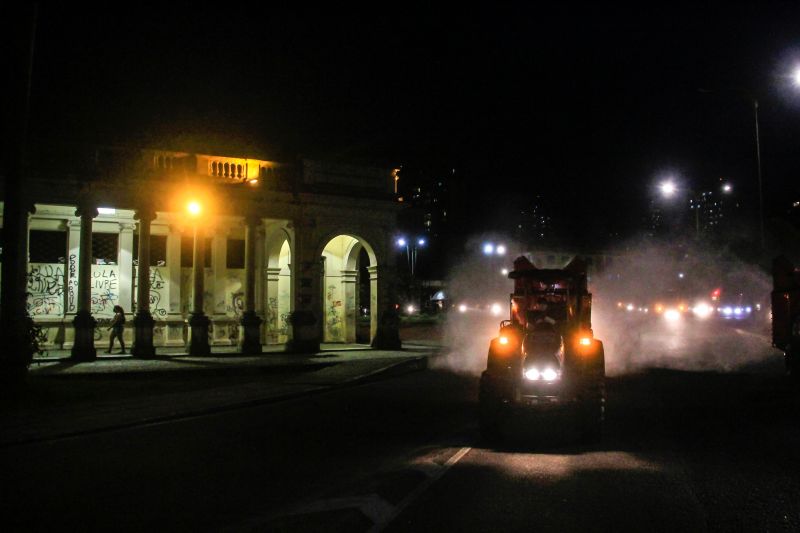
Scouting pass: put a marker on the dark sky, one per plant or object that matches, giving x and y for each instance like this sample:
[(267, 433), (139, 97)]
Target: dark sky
[(586, 105)]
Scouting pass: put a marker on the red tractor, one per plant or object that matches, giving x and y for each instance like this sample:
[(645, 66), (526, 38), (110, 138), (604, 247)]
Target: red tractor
[(786, 313), (545, 361)]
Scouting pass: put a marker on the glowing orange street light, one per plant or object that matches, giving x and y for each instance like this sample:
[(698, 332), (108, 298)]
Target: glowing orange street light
[(194, 208)]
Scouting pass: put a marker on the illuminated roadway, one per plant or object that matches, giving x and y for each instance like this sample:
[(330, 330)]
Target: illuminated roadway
[(684, 450)]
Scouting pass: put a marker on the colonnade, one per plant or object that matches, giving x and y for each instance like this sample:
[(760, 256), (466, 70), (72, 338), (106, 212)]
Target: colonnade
[(305, 298)]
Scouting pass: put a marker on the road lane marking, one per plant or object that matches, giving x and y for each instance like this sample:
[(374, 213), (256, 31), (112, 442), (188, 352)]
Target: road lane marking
[(371, 505), (421, 488)]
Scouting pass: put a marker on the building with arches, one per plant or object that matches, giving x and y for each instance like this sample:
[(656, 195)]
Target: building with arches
[(204, 250)]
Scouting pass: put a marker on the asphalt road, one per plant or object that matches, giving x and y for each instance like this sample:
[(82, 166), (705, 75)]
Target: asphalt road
[(686, 449)]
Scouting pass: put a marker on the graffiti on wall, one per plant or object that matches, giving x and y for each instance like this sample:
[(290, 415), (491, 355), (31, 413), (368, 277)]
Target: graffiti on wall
[(159, 292), (72, 282), (234, 293), (333, 318), (187, 288), (105, 288), (45, 289), (237, 304)]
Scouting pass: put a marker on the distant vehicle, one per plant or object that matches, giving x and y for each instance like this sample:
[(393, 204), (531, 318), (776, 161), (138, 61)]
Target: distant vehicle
[(494, 308), (717, 305), (734, 306), (786, 313), (545, 361)]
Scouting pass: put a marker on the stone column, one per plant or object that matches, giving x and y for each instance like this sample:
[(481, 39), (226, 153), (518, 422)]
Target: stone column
[(250, 342), (15, 323), (385, 320), (350, 297), (125, 259), (272, 310), (174, 332), (219, 265), (84, 323), (198, 321), (306, 319), (143, 322), (71, 281)]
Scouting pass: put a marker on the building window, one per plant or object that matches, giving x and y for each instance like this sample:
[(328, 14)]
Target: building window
[(47, 246), (105, 247), (235, 253), (187, 251), (158, 250)]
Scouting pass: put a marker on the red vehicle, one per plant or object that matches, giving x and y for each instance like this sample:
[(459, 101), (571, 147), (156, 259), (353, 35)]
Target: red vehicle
[(786, 312), (545, 360)]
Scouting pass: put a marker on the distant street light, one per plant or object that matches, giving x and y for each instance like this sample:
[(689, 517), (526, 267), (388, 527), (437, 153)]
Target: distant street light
[(669, 189), (491, 248), (411, 250)]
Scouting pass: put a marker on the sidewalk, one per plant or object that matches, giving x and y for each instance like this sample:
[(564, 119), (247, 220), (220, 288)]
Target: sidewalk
[(67, 398), (174, 359)]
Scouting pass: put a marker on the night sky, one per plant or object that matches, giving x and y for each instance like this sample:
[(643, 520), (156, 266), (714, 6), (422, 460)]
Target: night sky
[(588, 106)]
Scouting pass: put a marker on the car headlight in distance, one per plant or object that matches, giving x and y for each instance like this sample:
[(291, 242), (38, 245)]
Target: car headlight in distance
[(702, 310), (462, 308), (496, 309), (672, 315)]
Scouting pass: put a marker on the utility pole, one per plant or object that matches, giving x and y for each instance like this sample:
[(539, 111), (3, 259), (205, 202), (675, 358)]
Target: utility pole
[(760, 185)]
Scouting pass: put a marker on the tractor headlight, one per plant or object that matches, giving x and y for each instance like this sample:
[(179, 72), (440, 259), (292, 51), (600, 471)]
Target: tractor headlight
[(532, 374), (548, 374)]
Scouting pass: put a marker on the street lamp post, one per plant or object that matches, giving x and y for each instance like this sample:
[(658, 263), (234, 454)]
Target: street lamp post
[(760, 185), (754, 101), (198, 321), (411, 246)]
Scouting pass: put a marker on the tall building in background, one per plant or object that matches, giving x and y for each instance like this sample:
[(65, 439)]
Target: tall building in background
[(533, 222), (425, 217), (426, 193), (654, 221), (708, 213), (714, 212)]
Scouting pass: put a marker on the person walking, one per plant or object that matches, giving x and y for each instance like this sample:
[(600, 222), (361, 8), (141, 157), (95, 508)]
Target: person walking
[(117, 328)]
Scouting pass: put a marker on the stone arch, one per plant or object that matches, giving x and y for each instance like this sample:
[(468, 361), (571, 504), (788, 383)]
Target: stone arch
[(341, 279), (278, 295)]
